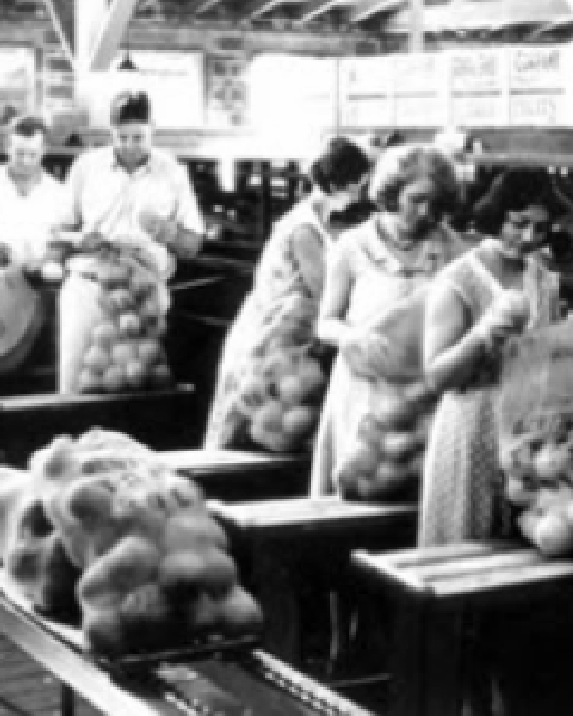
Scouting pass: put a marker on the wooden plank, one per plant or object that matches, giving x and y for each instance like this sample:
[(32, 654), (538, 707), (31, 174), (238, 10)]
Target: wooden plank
[(363, 9), (313, 9), (311, 511), (112, 29), (386, 571), (463, 568), (402, 559), (198, 6), (516, 580), (256, 8)]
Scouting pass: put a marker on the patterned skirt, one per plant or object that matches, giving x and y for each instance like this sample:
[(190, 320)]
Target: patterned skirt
[(462, 496)]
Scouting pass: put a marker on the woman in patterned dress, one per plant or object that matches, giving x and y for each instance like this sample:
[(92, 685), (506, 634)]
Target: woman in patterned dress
[(474, 305), (373, 267), (287, 285)]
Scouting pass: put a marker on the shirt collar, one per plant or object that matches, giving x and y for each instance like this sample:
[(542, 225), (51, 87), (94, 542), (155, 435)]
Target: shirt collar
[(147, 166), (427, 262)]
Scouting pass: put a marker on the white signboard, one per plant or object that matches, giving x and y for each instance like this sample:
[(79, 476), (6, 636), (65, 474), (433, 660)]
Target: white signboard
[(292, 93), (173, 80), (539, 79), (17, 81), (422, 91), (479, 87), (366, 86)]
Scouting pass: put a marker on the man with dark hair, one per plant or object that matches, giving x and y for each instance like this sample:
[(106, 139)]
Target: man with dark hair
[(132, 189)]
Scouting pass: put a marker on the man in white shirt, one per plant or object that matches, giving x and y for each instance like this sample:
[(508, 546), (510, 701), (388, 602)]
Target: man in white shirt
[(31, 200), (133, 190)]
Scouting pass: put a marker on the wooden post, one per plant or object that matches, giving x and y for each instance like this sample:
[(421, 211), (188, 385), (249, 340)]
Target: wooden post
[(416, 25)]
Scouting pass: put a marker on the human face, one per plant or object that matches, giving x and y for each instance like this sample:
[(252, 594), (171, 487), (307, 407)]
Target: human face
[(25, 155), (132, 142), (525, 231), (341, 199), (417, 206)]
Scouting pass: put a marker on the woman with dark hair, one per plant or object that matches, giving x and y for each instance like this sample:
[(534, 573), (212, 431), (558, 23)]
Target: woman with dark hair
[(373, 268), (280, 312), (496, 290)]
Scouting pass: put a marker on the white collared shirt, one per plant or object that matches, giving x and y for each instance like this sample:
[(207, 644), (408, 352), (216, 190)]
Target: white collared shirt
[(26, 221), (103, 197)]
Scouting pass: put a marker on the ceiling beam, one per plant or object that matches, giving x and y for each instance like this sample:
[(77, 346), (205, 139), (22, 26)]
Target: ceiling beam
[(62, 15), (195, 7), (256, 8), (88, 19), (111, 32), (364, 9), (316, 7)]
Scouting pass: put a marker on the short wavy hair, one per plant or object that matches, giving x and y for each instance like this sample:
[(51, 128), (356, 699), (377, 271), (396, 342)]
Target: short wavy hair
[(403, 165), (341, 164)]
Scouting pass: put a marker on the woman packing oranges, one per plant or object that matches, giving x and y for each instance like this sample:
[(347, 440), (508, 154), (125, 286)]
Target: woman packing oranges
[(268, 380), (373, 268)]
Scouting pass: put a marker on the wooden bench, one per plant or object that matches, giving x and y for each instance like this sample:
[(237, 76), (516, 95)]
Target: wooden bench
[(437, 594), (162, 419), (293, 552), (234, 475)]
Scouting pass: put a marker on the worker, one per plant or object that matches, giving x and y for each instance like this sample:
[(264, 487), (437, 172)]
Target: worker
[(132, 189)]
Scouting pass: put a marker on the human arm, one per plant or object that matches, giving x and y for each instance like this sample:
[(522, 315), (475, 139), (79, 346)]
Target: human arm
[(332, 327), (308, 252), (451, 352), (183, 232), (454, 347)]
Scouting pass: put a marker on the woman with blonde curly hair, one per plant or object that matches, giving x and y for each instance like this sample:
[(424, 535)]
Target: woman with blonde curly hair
[(373, 268)]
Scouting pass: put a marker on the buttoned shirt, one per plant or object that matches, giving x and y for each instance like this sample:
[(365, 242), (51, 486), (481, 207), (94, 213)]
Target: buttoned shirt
[(26, 220), (103, 197)]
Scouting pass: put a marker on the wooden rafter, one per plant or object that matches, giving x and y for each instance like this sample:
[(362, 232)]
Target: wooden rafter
[(364, 9), (256, 8), (317, 7), (196, 7), (111, 31), (62, 15)]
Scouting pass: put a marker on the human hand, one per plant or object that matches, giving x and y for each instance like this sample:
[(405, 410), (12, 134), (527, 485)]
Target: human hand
[(506, 316), (157, 227)]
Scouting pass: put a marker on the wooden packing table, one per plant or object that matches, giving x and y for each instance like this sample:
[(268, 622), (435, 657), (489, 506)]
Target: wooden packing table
[(294, 552), (250, 682), (162, 419), (233, 475), (441, 594)]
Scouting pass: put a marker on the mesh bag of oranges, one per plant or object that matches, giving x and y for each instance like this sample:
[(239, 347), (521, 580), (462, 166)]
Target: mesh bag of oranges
[(272, 380), (385, 457), (113, 309), (535, 427)]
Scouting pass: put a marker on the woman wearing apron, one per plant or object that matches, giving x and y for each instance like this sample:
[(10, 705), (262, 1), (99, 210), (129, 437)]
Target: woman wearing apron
[(494, 291), (373, 268), (287, 285)]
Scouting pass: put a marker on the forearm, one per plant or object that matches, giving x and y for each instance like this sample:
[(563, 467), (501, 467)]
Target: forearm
[(455, 366), (332, 331), (182, 242)]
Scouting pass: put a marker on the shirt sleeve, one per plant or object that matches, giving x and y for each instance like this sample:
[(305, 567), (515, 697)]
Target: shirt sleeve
[(70, 215), (308, 251), (187, 212)]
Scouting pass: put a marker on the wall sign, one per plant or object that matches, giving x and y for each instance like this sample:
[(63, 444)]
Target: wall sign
[(539, 87), (366, 86), (422, 90), (479, 87)]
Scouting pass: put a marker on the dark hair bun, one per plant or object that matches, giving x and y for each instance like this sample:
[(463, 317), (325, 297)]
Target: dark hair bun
[(130, 107)]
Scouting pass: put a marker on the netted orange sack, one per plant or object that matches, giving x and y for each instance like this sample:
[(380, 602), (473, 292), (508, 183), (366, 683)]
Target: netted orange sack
[(113, 310), (535, 412), (151, 567), (385, 458)]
